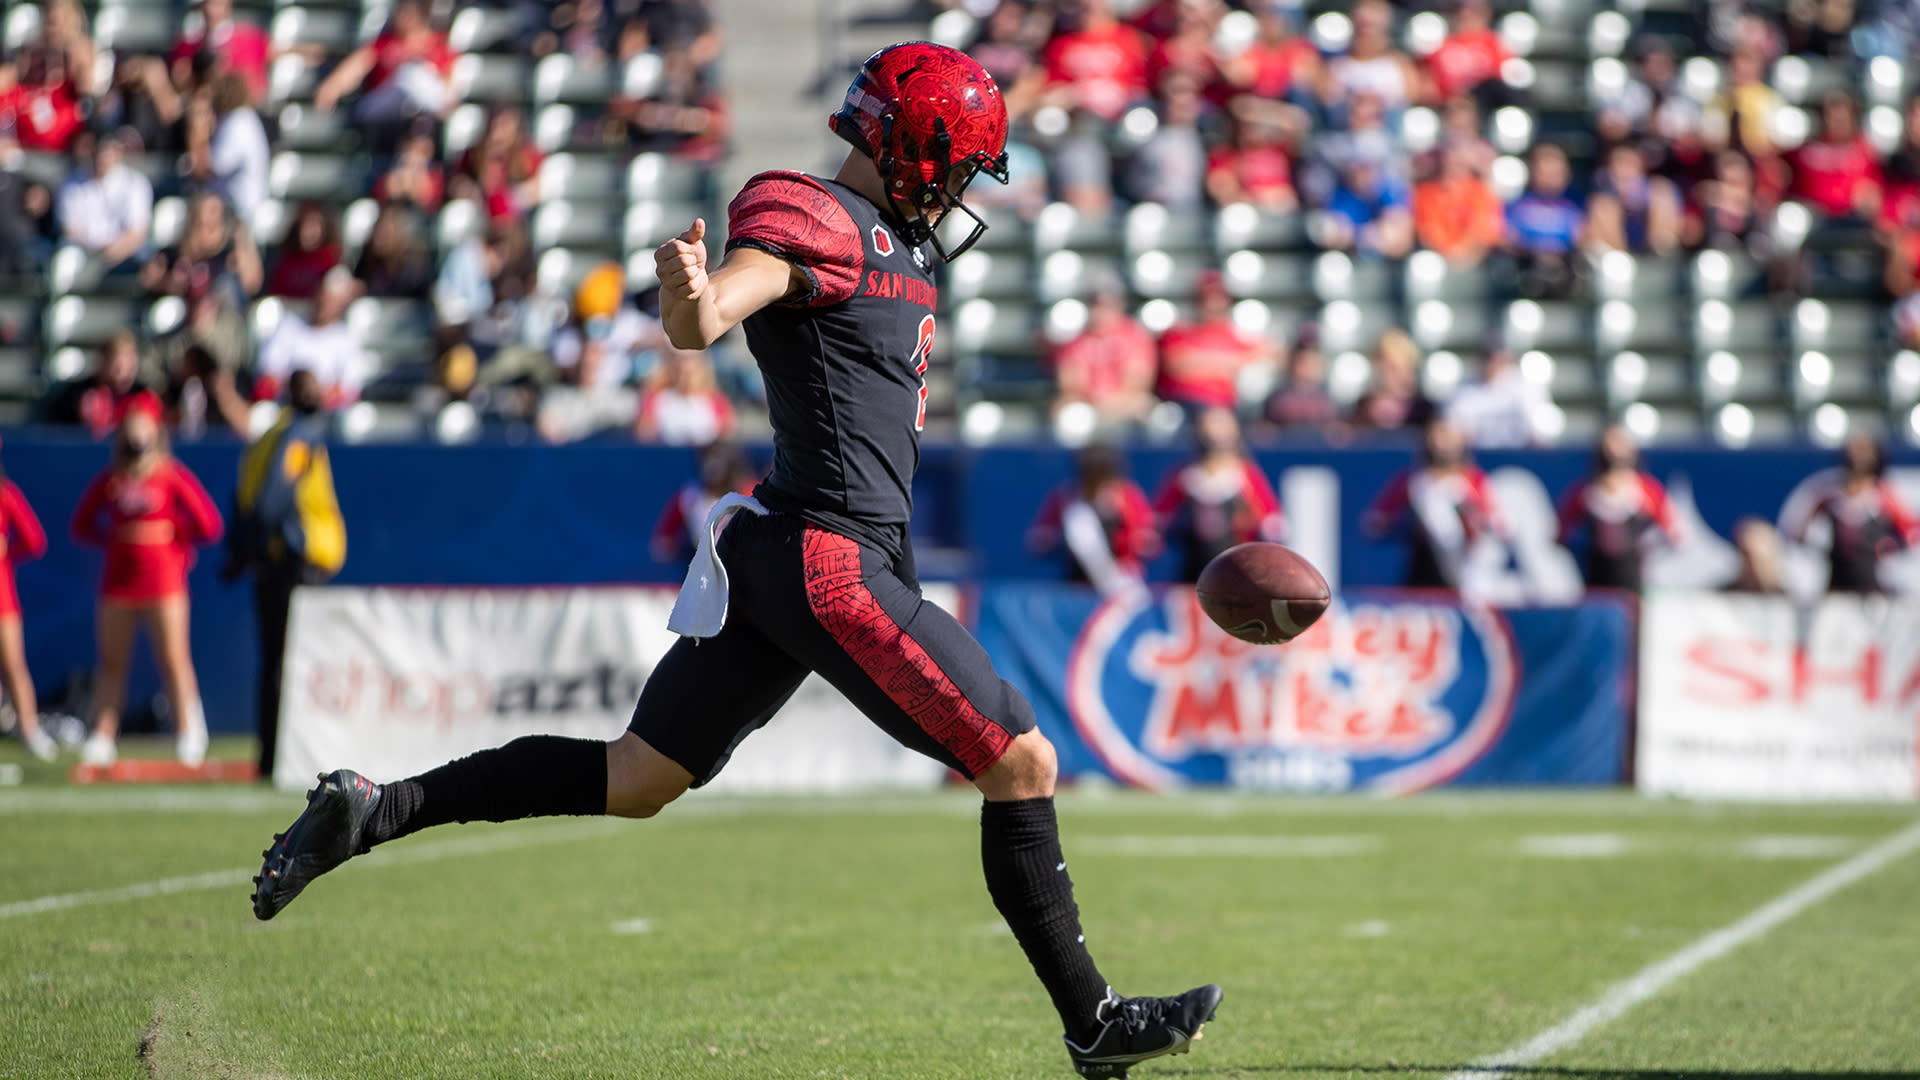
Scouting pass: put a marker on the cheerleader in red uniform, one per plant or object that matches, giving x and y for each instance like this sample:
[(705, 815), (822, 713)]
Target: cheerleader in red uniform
[(149, 513), (1218, 499), (21, 539), (1103, 522)]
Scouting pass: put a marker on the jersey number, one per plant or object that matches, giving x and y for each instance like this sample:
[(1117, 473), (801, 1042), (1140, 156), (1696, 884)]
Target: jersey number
[(922, 352)]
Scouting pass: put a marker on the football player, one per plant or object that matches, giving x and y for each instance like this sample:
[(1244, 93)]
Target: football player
[(833, 279)]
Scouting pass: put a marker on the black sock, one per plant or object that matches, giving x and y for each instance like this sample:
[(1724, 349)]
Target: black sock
[(1027, 878), (532, 776)]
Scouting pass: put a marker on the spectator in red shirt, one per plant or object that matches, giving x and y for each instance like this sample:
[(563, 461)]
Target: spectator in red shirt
[(1201, 361), (1100, 521), (1099, 65), (723, 469), (1468, 61), (311, 249), (1252, 166), (1110, 365), (149, 513), (1189, 49), (402, 75), (1838, 173), (682, 406), (100, 400), (39, 102), (242, 47), (1279, 65), (1006, 50), (1622, 508), (1218, 499), (21, 540), (415, 179), (1444, 504), (502, 170)]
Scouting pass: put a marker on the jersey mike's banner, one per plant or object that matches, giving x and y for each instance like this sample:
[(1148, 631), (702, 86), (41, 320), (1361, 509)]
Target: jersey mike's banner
[(395, 681), (1752, 697), (1391, 691)]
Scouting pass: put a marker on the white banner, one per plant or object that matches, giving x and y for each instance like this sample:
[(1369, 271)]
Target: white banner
[(1750, 697), (393, 681)]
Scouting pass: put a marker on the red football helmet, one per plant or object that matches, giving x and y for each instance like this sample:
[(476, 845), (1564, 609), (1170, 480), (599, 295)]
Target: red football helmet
[(931, 119)]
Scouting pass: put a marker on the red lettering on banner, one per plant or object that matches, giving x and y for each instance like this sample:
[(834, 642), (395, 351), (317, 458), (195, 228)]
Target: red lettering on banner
[(1733, 662), (1910, 689), (1204, 716), (1867, 675)]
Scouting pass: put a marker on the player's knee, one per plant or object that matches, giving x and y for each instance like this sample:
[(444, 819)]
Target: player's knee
[(641, 781), (1027, 770)]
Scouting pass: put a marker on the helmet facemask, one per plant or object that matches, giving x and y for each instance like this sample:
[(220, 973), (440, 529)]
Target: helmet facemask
[(943, 190)]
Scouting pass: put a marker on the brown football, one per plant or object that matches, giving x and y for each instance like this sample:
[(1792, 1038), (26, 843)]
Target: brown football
[(1261, 592)]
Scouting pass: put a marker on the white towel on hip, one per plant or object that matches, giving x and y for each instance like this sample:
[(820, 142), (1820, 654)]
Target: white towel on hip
[(701, 608)]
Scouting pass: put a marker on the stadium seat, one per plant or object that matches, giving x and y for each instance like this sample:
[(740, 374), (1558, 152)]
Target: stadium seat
[(19, 372), (1727, 276), (994, 275), (1570, 378), (458, 220), (22, 26), (398, 327), (1269, 276), (1152, 227), (561, 78), (1802, 80), (649, 224), (1438, 324), (303, 128), (136, 28), (46, 169), (478, 29), (1061, 226), (586, 226), (664, 178), (1338, 276), (291, 78), (1746, 327), (1644, 323), (1620, 276), (72, 270), (89, 320), (336, 30), (165, 315), (168, 221), (553, 128), (1244, 226), (482, 77), (1842, 328), (270, 221), (464, 127), (297, 177), (1167, 273), (1428, 277), (1552, 325), (356, 224), (987, 326), (580, 178), (1346, 325)]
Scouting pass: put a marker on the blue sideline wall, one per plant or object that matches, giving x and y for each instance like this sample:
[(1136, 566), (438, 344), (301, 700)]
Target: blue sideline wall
[(498, 514)]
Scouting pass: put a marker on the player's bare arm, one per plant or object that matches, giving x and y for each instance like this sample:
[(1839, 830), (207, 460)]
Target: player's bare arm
[(696, 307)]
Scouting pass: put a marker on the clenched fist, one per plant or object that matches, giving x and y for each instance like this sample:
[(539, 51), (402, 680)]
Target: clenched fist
[(681, 263)]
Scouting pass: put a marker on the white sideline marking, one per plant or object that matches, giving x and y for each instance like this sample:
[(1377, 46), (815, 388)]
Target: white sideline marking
[(1252, 846), (1370, 928), (1656, 977), (220, 879), (1574, 846), (633, 926), (1795, 847)]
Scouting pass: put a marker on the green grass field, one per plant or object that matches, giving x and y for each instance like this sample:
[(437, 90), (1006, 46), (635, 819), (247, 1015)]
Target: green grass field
[(852, 937)]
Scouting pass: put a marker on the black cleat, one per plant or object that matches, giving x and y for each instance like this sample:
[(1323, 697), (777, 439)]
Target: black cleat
[(1135, 1029), (326, 834)]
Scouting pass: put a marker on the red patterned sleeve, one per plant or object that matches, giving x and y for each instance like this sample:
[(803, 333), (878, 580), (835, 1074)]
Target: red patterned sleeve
[(790, 215)]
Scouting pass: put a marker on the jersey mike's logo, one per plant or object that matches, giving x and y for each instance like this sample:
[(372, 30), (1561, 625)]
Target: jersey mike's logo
[(882, 241), (1386, 696)]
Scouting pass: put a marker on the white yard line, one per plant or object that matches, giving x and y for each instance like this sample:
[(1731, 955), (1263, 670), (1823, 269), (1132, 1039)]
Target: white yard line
[(220, 879), (1270, 847), (1656, 977)]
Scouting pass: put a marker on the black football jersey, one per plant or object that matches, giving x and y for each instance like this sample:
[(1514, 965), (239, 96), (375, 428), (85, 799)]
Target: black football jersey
[(845, 362)]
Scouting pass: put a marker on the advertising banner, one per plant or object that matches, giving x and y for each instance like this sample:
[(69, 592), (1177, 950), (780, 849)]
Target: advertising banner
[(394, 681), (1390, 692), (1751, 697)]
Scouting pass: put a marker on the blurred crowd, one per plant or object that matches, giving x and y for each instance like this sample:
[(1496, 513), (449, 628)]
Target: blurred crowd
[(194, 122), (1377, 126)]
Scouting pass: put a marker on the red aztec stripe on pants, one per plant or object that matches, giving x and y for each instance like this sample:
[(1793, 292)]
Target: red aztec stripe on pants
[(848, 610)]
